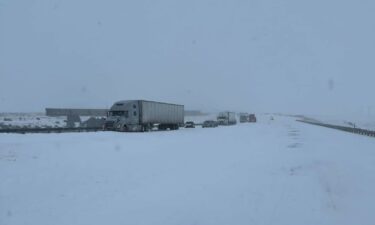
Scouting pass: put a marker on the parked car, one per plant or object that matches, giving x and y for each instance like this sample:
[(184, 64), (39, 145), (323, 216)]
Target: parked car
[(210, 123), (190, 124)]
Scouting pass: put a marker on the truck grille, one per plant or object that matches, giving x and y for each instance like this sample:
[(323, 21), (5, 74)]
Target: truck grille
[(109, 124)]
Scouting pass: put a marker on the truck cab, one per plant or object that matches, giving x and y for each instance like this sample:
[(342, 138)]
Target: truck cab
[(226, 118), (252, 118), (244, 117), (222, 118), (123, 116)]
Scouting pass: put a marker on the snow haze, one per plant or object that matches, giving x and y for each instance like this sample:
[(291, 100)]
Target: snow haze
[(257, 55)]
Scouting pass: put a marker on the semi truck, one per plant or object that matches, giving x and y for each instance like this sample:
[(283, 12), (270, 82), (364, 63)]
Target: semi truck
[(244, 117), (142, 115), (227, 118)]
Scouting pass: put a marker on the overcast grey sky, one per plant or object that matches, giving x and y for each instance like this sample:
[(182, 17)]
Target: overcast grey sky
[(256, 55)]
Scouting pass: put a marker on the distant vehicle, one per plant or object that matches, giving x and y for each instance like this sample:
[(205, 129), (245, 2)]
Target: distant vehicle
[(227, 118), (244, 117), (252, 118), (141, 115), (190, 124), (210, 123)]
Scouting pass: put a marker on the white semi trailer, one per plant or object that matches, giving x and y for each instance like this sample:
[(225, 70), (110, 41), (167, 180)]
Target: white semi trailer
[(141, 115)]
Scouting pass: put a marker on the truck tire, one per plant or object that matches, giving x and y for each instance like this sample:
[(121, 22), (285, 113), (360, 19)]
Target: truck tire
[(161, 127), (123, 129), (146, 128)]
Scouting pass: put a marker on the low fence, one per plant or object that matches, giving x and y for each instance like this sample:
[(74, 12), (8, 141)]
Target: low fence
[(359, 131)]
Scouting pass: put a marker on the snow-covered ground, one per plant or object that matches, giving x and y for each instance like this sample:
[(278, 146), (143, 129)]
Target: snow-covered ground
[(31, 120), (365, 122), (36, 120), (271, 172)]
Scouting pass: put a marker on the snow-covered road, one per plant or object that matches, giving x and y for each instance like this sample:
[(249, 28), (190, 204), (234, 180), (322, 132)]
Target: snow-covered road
[(272, 172)]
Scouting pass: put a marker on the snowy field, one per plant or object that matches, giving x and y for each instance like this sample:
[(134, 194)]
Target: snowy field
[(272, 172), (365, 122), (30, 120)]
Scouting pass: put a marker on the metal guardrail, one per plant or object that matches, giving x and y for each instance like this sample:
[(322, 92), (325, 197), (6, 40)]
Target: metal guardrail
[(359, 131), (51, 130)]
